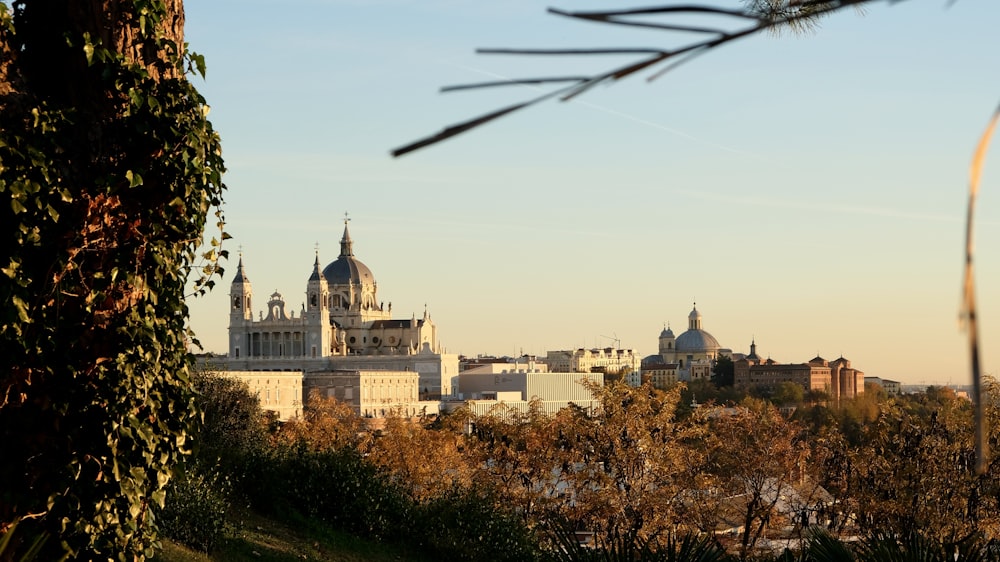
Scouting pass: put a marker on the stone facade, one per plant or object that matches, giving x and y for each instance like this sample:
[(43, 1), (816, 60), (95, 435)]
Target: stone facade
[(373, 394), (341, 326), (279, 392)]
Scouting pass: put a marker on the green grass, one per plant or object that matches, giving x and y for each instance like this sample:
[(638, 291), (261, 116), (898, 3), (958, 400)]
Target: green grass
[(263, 539)]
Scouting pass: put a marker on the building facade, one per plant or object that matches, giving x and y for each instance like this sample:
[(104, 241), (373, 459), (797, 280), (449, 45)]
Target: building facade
[(342, 325), (836, 378), (280, 392), (373, 394), (608, 360)]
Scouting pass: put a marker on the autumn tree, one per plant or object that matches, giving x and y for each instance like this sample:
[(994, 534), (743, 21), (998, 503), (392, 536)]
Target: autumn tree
[(326, 424), (109, 171), (520, 454), (758, 457), (426, 462), (630, 468), (913, 471)]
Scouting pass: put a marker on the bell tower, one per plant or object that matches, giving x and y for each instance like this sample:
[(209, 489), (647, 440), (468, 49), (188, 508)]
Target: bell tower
[(240, 312), (317, 314)]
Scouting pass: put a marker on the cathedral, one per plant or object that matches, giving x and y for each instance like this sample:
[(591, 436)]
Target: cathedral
[(687, 357), (341, 326)]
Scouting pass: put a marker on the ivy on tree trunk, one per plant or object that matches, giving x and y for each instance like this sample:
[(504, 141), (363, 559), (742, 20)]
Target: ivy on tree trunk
[(109, 173)]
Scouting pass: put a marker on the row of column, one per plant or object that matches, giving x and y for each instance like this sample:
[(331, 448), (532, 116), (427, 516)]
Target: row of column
[(276, 344)]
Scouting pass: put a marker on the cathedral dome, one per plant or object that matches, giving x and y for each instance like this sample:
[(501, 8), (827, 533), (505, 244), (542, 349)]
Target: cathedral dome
[(347, 269), (666, 333), (697, 341)]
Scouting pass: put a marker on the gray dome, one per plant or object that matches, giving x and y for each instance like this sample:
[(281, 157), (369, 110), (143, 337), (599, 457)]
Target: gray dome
[(697, 341), (348, 270), (666, 333)]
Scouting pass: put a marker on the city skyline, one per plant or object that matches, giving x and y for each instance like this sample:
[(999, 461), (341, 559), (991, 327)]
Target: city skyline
[(808, 192)]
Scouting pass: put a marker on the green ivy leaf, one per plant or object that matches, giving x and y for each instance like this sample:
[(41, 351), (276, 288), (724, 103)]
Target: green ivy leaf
[(133, 178)]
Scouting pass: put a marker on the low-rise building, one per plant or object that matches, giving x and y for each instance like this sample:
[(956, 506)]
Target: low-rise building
[(516, 390), (892, 388), (661, 375)]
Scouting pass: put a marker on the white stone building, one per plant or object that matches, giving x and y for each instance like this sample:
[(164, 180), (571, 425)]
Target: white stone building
[(342, 326), (608, 360), (279, 392), (373, 394)]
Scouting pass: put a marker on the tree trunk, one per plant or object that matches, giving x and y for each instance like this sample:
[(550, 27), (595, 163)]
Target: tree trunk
[(108, 169)]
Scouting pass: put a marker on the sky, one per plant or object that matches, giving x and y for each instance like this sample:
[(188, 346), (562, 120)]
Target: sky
[(807, 192)]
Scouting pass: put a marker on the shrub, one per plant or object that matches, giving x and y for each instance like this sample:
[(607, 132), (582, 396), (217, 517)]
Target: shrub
[(468, 525), (194, 513), (336, 486)]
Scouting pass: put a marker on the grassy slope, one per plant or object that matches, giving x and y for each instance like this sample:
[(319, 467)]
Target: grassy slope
[(266, 540)]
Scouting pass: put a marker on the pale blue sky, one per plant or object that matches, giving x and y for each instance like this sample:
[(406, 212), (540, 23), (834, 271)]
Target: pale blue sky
[(807, 191)]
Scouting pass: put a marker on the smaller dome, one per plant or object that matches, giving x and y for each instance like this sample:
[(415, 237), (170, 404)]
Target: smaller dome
[(651, 360), (694, 314), (666, 333)]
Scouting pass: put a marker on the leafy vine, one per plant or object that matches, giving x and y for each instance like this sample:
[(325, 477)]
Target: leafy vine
[(109, 174)]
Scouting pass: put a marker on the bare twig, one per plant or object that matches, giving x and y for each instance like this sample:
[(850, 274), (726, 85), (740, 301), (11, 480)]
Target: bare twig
[(763, 15)]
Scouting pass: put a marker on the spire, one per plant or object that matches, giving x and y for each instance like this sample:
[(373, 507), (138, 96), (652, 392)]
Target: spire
[(241, 274), (346, 249), (317, 275)]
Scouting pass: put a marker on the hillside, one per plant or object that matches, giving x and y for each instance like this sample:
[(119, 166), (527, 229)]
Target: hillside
[(263, 539)]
